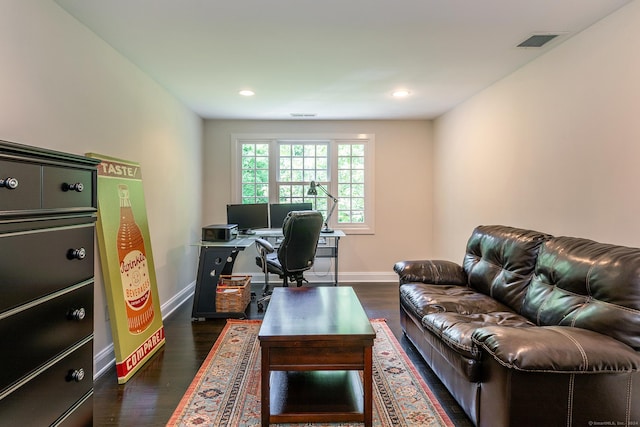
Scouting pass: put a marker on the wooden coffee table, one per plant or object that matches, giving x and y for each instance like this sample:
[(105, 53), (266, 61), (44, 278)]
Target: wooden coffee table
[(314, 341)]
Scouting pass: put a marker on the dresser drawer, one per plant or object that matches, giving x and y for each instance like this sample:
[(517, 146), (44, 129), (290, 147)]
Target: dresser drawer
[(41, 401), (42, 332), (35, 264), (80, 415), (67, 188), (27, 193)]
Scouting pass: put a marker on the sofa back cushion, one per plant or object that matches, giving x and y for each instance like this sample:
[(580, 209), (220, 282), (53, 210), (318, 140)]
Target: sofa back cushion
[(586, 284), (500, 260)]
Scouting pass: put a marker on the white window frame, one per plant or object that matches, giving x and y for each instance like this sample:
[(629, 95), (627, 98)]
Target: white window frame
[(367, 227)]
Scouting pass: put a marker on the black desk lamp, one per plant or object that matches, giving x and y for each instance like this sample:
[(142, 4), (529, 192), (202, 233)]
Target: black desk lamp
[(313, 192)]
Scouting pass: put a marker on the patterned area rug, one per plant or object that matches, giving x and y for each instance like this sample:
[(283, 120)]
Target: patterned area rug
[(226, 389)]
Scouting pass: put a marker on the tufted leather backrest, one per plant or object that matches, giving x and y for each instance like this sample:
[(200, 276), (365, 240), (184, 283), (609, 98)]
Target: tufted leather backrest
[(301, 230), (586, 284), (500, 260)]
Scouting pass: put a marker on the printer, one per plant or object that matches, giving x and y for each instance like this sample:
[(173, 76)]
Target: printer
[(219, 232)]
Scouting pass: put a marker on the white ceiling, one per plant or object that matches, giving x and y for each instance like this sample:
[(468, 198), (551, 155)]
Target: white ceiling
[(339, 59)]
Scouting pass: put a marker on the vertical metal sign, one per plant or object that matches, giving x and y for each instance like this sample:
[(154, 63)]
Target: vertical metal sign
[(127, 265)]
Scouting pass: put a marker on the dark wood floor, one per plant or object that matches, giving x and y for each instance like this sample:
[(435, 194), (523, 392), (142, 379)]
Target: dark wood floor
[(150, 396)]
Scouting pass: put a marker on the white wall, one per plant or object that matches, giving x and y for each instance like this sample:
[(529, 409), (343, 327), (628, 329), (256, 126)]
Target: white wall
[(402, 189), (65, 89), (553, 147)]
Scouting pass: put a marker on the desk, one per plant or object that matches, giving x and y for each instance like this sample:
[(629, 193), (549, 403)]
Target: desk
[(217, 258)]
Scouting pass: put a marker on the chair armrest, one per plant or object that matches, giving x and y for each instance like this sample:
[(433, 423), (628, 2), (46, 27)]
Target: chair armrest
[(436, 272), (555, 349), (264, 247)]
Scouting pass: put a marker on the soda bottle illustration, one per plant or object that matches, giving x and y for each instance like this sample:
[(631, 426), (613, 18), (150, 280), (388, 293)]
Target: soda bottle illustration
[(134, 270)]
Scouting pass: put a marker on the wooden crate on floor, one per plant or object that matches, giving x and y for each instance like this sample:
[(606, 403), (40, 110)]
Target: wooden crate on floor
[(233, 293)]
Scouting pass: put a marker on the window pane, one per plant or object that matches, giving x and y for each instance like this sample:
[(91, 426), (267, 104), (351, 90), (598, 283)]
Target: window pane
[(285, 176), (344, 150), (357, 216), (285, 191), (344, 216), (322, 150), (262, 150), (248, 176), (297, 150), (285, 163), (248, 190), (262, 190), (309, 176), (262, 176), (310, 150), (322, 164), (344, 175), (285, 150), (248, 163), (262, 163), (297, 191), (357, 162), (309, 163), (357, 203), (297, 163), (344, 162), (344, 190), (248, 150)]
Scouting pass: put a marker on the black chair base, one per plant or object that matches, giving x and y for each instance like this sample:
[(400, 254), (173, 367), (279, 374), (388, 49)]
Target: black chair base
[(296, 253)]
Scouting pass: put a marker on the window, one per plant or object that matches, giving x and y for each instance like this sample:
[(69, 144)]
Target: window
[(279, 169), (255, 172)]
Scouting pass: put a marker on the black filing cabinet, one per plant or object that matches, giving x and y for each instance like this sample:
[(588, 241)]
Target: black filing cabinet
[(47, 217)]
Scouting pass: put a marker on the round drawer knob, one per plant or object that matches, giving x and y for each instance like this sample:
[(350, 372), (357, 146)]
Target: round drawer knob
[(76, 375), (78, 186), (79, 253), (10, 183), (78, 314)]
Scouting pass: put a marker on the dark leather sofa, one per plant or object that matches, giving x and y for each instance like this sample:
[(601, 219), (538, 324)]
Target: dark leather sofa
[(531, 329)]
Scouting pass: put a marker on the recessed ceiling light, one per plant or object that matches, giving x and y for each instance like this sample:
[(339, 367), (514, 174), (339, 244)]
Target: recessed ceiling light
[(401, 93), (247, 92)]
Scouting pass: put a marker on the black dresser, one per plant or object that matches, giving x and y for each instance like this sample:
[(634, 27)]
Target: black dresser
[(47, 217)]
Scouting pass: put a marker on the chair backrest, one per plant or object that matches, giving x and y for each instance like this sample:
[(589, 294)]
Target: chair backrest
[(301, 231)]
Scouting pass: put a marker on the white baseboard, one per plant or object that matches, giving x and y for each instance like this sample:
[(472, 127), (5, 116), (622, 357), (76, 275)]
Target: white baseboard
[(105, 358)]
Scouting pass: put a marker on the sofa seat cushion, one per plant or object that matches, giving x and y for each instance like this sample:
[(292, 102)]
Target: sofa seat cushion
[(558, 349), (422, 299), (456, 329)]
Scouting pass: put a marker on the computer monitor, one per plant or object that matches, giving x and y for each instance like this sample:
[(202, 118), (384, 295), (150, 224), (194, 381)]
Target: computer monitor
[(248, 216), (279, 211)]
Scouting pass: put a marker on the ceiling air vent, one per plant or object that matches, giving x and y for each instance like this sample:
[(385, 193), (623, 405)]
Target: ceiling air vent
[(303, 115), (538, 40)]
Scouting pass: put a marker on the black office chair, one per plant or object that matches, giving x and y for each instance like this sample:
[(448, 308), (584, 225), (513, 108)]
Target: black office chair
[(296, 253)]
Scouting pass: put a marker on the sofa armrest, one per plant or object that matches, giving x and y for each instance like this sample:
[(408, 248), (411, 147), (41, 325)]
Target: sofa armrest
[(556, 349), (436, 272)]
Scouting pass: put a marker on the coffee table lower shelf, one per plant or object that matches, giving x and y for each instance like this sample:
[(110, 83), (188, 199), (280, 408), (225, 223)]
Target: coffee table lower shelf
[(316, 396)]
